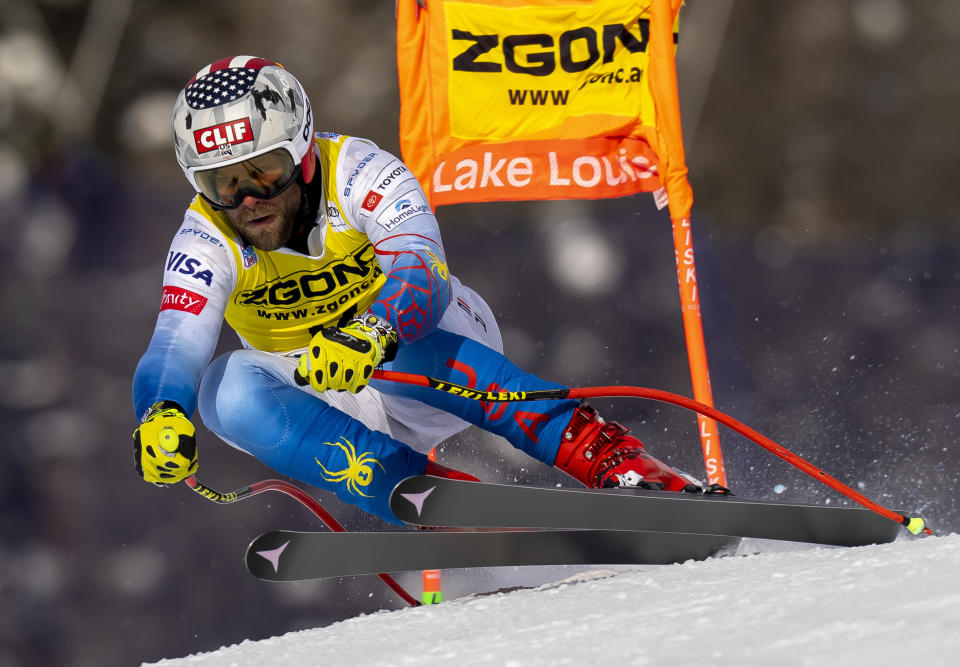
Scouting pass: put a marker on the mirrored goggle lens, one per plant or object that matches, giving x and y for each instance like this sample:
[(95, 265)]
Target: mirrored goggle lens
[(263, 177)]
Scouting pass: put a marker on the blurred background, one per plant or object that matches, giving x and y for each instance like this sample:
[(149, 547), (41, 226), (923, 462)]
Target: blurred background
[(822, 142)]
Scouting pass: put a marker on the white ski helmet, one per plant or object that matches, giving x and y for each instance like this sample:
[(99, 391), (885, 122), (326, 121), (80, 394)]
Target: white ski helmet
[(243, 126)]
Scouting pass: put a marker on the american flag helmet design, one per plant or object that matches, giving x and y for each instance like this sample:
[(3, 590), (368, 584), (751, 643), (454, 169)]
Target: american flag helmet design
[(236, 108)]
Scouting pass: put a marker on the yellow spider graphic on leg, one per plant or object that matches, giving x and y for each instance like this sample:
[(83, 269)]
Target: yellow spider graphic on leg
[(358, 472), (438, 267)]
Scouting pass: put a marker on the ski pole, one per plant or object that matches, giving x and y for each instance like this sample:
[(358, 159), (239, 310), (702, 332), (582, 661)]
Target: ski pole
[(914, 524), (303, 498)]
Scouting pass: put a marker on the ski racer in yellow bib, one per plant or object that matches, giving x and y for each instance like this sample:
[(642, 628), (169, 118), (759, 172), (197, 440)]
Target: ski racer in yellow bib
[(321, 252)]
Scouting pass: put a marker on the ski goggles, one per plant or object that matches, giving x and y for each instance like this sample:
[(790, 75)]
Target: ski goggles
[(261, 176)]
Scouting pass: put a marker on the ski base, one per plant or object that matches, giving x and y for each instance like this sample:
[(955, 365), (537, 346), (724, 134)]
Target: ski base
[(435, 501), (283, 555)]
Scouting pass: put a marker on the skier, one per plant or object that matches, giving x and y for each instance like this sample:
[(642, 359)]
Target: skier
[(322, 253)]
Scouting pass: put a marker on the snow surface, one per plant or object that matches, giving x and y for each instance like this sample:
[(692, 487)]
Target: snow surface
[(783, 604)]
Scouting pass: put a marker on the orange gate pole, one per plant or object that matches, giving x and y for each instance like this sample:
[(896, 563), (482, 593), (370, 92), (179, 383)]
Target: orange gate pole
[(696, 350), (663, 88)]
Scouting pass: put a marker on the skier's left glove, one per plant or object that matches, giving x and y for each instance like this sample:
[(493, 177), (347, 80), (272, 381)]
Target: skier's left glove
[(343, 358), (165, 445)]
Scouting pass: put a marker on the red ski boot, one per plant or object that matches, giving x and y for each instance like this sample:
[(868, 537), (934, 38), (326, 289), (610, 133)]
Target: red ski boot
[(604, 454)]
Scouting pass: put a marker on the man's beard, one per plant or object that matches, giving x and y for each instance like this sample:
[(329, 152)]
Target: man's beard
[(272, 234)]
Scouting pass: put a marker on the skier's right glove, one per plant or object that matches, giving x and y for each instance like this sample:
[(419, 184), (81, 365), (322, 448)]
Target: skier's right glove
[(343, 359), (165, 445)]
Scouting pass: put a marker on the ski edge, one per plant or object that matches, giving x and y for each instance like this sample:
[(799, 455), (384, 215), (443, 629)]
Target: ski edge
[(285, 555)]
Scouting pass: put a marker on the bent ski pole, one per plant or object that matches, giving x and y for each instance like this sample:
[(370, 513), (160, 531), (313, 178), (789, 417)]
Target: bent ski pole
[(303, 498), (914, 524)]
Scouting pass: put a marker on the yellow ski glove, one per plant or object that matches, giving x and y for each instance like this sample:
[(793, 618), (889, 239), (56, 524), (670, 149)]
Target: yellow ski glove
[(165, 445), (343, 358)]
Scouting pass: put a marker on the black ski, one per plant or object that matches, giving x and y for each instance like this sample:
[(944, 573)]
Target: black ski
[(283, 555), (433, 501)]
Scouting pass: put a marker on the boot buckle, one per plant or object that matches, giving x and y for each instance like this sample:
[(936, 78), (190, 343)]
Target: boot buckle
[(609, 434)]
